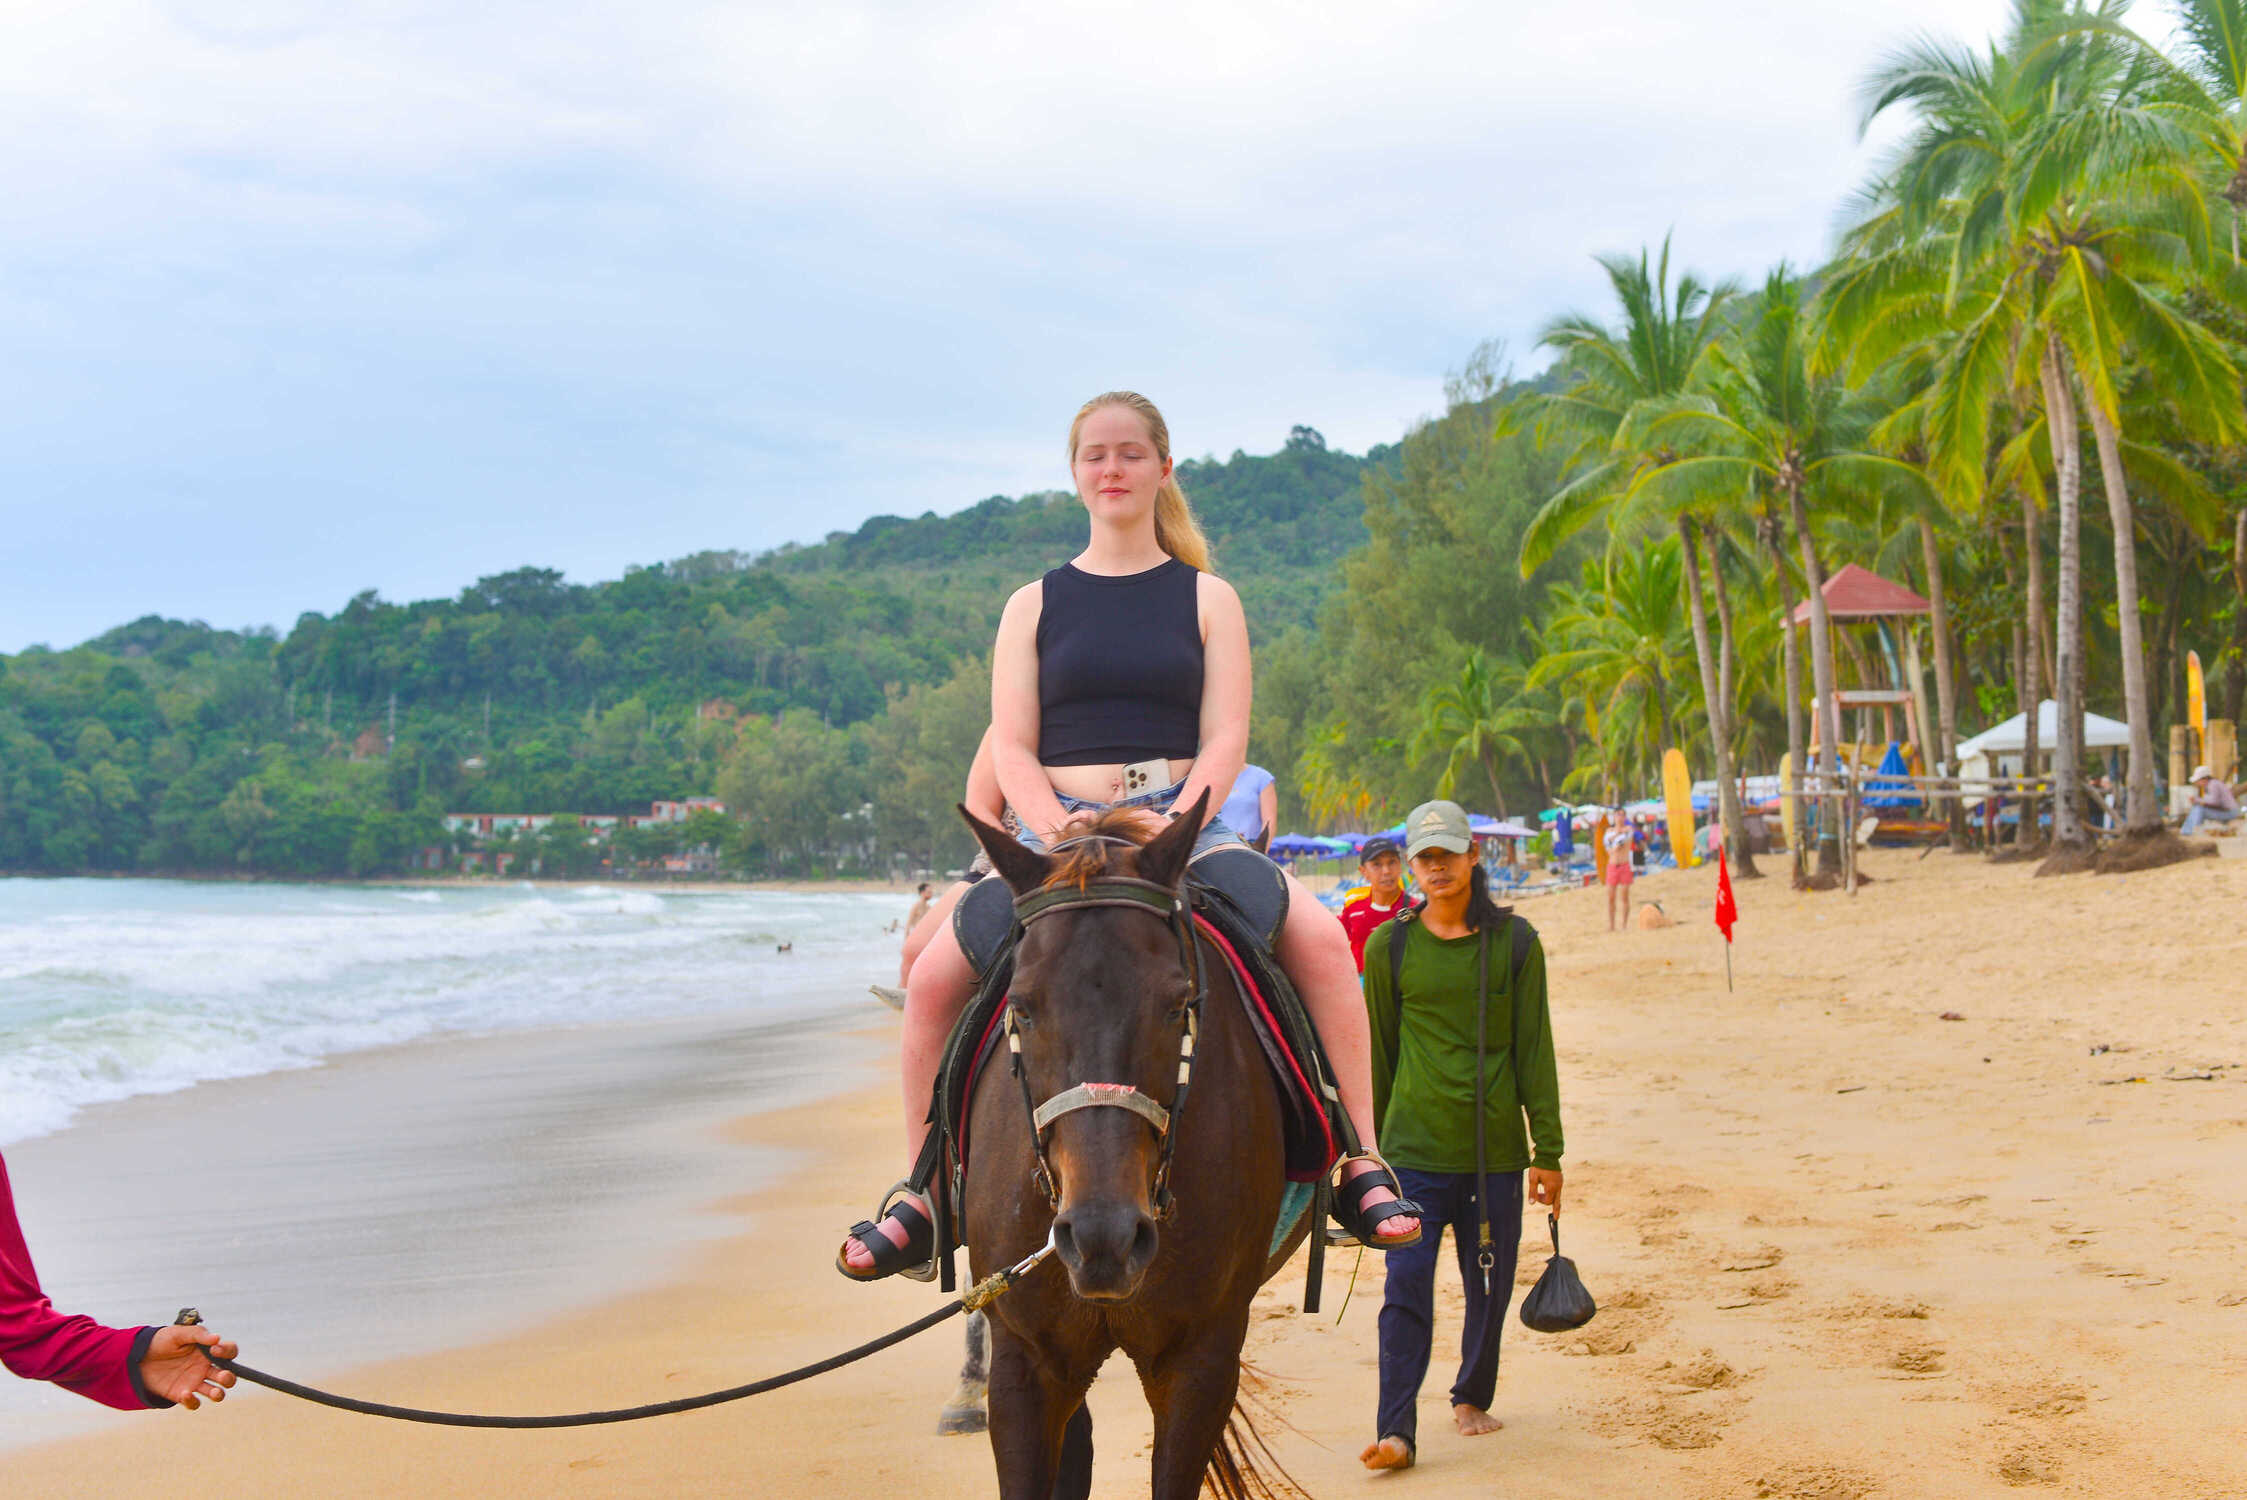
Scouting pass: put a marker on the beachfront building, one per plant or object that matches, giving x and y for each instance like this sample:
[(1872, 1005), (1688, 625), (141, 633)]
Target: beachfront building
[(494, 842), (679, 812)]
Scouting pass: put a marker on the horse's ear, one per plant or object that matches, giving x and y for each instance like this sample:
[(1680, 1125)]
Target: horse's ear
[(1023, 868), (1163, 858)]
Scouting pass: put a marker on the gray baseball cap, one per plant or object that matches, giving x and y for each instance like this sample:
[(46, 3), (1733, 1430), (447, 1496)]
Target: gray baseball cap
[(1437, 825)]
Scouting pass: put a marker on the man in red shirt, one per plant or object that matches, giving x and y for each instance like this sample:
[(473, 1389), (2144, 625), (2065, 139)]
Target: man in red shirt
[(128, 1368), (1383, 869)]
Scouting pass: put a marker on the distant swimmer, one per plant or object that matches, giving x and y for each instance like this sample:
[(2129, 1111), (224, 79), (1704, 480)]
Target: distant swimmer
[(784, 948)]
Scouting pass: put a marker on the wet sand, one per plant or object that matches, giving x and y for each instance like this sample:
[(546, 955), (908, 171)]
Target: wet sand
[(1844, 1247)]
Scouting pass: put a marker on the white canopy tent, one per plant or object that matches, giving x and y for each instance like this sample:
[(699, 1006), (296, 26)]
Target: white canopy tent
[(2011, 737)]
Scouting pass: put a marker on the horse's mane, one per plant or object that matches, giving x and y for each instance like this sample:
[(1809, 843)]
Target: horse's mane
[(1094, 854)]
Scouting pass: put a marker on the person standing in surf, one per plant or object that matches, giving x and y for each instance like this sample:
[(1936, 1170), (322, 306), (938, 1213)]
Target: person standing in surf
[(1122, 680), (1467, 1093)]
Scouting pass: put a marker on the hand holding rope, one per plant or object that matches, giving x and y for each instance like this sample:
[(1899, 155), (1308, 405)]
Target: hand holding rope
[(974, 1299)]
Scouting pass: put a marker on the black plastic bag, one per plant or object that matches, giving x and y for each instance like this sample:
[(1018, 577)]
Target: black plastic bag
[(1558, 1302)]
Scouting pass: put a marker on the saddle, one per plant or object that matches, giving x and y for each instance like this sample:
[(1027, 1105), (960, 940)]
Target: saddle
[(1239, 901)]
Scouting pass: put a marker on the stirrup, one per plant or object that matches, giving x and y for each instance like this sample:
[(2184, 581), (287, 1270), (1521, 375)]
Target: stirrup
[(1356, 1224), (891, 1259)]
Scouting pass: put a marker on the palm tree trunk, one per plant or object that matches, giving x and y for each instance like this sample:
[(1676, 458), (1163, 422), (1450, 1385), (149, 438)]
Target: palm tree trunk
[(1665, 728), (1821, 677), (2235, 674), (1490, 769), (2032, 670), (1946, 690), (2145, 812), (1791, 652), (1735, 817), (1712, 693), (2067, 766)]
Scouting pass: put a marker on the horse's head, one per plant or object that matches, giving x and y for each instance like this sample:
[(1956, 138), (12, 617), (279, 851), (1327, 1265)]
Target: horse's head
[(1103, 1000)]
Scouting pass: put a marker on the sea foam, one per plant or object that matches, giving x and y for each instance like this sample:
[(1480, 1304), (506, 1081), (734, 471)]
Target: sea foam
[(111, 989)]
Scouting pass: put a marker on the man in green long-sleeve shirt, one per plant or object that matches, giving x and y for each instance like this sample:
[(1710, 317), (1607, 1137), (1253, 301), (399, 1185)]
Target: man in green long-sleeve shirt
[(1425, 1064)]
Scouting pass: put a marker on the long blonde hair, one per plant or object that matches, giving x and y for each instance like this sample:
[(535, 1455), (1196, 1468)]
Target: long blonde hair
[(1176, 530)]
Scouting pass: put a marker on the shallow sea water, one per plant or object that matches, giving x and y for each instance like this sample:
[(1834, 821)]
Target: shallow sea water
[(421, 1123)]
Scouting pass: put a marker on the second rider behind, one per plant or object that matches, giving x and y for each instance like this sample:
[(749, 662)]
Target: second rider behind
[(1122, 679)]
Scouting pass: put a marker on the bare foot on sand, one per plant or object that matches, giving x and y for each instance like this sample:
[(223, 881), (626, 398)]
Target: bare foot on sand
[(1473, 1421), (1389, 1453)]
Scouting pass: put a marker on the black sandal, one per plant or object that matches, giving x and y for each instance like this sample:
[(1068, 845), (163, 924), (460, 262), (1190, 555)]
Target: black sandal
[(915, 1260), (1361, 1225)]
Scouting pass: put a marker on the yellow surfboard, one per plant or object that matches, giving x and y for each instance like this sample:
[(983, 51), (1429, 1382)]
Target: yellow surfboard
[(1787, 810), (2196, 703), (1677, 801)]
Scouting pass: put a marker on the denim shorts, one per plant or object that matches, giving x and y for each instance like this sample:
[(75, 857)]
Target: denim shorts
[(1213, 833)]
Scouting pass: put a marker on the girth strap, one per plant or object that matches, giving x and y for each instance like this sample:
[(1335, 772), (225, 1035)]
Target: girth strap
[(1102, 1096)]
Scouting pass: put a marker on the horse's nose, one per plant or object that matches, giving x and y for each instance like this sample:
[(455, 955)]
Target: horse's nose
[(1106, 1246)]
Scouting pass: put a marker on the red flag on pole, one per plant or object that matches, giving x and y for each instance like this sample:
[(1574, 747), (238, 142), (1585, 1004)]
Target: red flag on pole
[(1727, 912)]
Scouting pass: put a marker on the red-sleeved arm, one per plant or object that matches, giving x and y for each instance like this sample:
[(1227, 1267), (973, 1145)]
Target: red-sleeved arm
[(38, 1343), (1355, 924)]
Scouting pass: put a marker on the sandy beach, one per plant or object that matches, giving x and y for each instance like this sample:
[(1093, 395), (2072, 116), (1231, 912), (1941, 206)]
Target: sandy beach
[(1943, 1200)]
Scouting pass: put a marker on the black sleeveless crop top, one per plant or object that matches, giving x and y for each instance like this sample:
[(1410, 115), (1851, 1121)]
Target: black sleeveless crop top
[(1119, 666)]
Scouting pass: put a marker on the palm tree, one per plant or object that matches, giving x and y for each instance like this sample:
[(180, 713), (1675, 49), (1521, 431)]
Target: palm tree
[(1773, 423), (2046, 182), (1619, 376), (1332, 790), (1616, 633), (1471, 720)]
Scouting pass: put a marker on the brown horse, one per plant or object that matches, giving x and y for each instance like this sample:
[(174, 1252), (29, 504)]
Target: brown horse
[(1161, 1208)]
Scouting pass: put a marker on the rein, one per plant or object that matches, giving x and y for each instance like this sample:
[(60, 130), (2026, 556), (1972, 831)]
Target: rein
[(1131, 893)]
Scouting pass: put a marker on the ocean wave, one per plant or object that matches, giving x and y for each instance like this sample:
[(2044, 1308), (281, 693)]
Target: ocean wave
[(123, 988)]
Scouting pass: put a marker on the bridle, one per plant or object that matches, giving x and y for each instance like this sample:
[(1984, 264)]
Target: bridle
[(1132, 893)]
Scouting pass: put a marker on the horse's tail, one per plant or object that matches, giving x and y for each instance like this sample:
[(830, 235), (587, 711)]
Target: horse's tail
[(1244, 1466)]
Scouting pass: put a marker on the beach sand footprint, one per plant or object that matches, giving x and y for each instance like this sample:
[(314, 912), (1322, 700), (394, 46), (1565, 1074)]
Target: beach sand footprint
[(1760, 1258), (1704, 1372), (2027, 1465), (1917, 1360), (1602, 1341), (1814, 1481), (1864, 1307)]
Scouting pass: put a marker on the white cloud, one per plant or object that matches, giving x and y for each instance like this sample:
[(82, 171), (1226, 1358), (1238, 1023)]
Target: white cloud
[(715, 257)]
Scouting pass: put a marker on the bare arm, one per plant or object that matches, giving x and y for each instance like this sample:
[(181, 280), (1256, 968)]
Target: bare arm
[(1013, 734), (1226, 690), (983, 797), (1268, 806)]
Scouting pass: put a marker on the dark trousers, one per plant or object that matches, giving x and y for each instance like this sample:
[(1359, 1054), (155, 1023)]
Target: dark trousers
[(1408, 1305)]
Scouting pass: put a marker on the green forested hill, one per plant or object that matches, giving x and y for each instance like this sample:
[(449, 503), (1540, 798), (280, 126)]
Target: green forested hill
[(841, 680)]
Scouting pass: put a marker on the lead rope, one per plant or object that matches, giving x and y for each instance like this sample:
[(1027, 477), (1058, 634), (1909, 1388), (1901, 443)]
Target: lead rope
[(975, 1299), (1486, 1252)]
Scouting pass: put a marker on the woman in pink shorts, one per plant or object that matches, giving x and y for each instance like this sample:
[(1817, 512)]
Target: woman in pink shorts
[(1618, 845)]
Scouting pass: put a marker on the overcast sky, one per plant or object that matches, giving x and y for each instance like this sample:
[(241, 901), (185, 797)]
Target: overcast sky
[(304, 297)]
